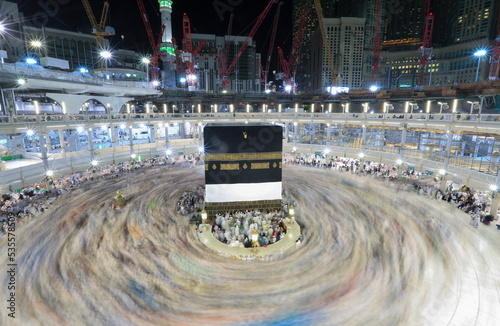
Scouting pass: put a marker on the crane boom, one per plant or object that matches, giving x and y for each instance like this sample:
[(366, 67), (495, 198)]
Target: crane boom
[(90, 14), (326, 42), (273, 38), (102, 23), (229, 70), (145, 19), (376, 44), (155, 45), (98, 29), (178, 60), (188, 54), (426, 49), (262, 77), (186, 25), (293, 60), (283, 65), (228, 39)]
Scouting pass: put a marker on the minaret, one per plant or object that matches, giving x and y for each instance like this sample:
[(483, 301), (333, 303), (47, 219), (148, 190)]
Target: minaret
[(166, 18), (166, 43)]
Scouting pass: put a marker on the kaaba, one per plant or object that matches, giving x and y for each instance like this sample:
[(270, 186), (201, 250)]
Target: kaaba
[(243, 164)]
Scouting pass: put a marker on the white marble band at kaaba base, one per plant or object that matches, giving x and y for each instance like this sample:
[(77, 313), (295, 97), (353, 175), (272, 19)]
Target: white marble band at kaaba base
[(243, 192)]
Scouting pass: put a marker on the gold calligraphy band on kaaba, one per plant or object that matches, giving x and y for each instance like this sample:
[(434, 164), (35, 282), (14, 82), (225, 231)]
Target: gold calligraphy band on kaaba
[(244, 156), (206, 167), (259, 166), (229, 167)]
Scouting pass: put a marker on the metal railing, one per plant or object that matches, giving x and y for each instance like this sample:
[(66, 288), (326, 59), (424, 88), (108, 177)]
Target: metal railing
[(493, 119)]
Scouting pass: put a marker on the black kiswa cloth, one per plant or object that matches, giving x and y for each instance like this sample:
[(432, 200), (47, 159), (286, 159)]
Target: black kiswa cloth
[(221, 139)]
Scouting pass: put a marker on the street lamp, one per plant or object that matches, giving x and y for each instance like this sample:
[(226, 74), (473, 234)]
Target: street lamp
[(36, 44), (31, 62), (373, 88), (412, 106), (106, 55), (479, 54), (472, 105), (2, 27), (440, 107), (146, 61)]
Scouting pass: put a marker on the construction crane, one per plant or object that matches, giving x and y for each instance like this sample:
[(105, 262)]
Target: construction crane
[(284, 69), (188, 54), (262, 77), (376, 43), (99, 30), (178, 59), (294, 59), (271, 44), (326, 43), (495, 54), (426, 49), (288, 69), (155, 46), (228, 39), (225, 72)]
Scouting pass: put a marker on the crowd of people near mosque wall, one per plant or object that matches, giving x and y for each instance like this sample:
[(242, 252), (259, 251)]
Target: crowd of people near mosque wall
[(29, 202), (465, 198)]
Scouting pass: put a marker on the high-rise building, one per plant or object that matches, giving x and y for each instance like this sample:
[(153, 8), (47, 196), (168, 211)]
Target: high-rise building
[(404, 23), (445, 21), (346, 36), (476, 20), (11, 39), (246, 72), (367, 9), (76, 48), (310, 28)]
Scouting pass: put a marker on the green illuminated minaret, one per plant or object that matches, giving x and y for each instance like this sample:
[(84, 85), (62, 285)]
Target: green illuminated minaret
[(168, 72), (166, 18)]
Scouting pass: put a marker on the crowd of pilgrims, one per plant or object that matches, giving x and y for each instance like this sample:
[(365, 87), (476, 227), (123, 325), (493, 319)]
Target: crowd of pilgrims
[(235, 228), (463, 197), (471, 202), (29, 202), (192, 202), (344, 164)]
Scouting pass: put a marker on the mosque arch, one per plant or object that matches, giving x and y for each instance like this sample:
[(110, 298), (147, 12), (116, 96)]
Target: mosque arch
[(93, 106)]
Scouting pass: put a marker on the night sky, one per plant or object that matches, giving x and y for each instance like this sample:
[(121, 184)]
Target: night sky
[(124, 16)]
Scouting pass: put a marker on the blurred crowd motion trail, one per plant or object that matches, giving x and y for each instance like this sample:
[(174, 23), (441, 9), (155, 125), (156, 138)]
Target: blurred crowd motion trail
[(374, 253)]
